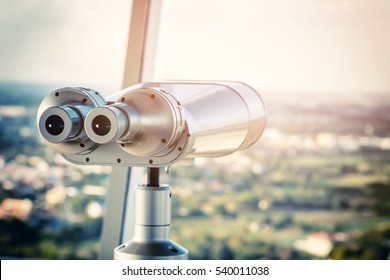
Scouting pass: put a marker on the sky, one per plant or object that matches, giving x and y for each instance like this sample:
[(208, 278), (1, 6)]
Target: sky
[(279, 45), (288, 45), (55, 41)]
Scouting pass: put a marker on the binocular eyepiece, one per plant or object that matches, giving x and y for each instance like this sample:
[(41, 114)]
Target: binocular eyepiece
[(110, 123), (144, 122), (152, 124), (61, 119)]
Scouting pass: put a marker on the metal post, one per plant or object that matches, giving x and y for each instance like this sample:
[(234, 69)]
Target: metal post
[(152, 224)]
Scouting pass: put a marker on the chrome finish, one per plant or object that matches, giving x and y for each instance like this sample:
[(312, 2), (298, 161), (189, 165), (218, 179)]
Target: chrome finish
[(222, 117), (144, 122), (113, 154), (158, 197), (159, 124), (67, 107), (151, 227), (69, 127), (256, 112), (122, 123)]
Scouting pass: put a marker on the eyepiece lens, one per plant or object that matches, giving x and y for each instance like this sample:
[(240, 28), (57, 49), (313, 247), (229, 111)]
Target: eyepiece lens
[(54, 125), (101, 125)]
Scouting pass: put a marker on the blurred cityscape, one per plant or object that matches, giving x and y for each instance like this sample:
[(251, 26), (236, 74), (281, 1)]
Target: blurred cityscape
[(316, 186)]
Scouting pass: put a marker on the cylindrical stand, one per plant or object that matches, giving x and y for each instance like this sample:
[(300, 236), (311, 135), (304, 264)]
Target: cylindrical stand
[(152, 227)]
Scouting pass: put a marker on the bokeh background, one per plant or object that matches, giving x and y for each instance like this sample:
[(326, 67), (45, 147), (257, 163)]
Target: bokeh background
[(316, 185)]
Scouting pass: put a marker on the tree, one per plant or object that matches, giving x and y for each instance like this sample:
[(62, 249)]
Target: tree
[(373, 245), (380, 197)]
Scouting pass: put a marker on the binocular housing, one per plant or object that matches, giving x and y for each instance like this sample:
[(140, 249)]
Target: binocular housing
[(151, 124)]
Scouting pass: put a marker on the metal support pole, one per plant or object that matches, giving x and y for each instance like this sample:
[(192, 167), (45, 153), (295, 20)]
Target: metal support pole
[(153, 177), (152, 224)]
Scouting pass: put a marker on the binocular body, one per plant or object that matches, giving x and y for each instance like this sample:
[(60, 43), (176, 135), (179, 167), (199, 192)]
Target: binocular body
[(152, 124)]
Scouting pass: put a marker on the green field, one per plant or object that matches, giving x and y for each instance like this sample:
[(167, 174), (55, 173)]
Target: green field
[(195, 233)]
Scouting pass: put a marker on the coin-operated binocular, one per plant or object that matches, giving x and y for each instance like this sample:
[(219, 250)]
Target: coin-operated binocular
[(151, 125)]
